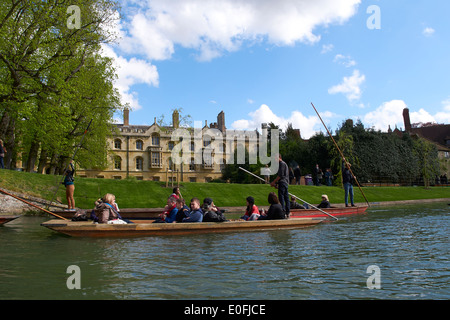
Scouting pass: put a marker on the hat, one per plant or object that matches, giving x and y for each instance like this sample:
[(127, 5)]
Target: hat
[(208, 201), (325, 196)]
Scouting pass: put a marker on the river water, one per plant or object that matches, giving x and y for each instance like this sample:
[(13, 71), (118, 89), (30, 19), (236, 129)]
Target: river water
[(399, 252)]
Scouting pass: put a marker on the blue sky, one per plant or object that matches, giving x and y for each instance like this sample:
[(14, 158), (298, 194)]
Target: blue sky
[(266, 61)]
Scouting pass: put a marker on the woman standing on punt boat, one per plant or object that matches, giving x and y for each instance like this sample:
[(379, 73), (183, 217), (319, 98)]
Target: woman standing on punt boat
[(70, 186), (275, 211)]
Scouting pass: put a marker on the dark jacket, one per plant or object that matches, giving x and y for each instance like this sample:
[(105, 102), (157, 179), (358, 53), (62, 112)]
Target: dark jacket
[(69, 179), (346, 174), (212, 216), (283, 173), (194, 216), (275, 212), (324, 204), (182, 213)]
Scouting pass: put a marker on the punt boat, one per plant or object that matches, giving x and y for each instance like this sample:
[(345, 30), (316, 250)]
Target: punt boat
[(153, 213), (334, 211), (7, 218), (147, 228)]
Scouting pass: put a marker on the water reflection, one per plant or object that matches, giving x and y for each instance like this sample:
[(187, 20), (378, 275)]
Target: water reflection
[(329, 261)]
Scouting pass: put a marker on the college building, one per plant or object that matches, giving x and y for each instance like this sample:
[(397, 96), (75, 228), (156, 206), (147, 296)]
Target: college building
[(145, 152)]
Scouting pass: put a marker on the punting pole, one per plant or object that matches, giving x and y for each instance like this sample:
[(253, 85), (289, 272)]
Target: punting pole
[(73, 157), (291, 194), (33, 205), (342, 155)]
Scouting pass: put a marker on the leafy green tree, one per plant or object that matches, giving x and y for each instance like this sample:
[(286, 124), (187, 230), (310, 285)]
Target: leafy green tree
[(53, 80)]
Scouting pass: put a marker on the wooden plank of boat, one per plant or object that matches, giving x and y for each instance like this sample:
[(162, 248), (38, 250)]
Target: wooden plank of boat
[(7, 218), (144, 228), (336, 211), (126, 213), (152, 213)]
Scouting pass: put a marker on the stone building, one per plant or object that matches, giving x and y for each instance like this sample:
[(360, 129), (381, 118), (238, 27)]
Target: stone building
[(438, 134), (146, 152)]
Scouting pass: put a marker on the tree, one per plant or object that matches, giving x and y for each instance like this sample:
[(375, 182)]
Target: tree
[(53, 80), (426, 153)]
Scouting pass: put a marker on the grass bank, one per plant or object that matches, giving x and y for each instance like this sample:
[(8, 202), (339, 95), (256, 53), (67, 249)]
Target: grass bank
[(131, 193)]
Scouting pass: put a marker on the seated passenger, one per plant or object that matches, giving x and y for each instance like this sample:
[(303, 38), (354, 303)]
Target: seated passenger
[(196, 214), (275, 210), (169, 215), (183, 210), (211, 212), (325, 203), (252, 212), (106, 210), (295, 205)]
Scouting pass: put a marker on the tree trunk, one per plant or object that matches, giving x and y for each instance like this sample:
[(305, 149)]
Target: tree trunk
[(32, 155), (42, 161)]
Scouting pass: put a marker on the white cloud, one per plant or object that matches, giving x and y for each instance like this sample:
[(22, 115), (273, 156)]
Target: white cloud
[(215, 27), (327, 48), (308, 125), (346, 61), (428, 32), (131, 72), (350, 86), (391, 114), (444, 115)]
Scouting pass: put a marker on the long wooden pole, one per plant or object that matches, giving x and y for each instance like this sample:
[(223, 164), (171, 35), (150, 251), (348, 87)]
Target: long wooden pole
[(33, 205), (342, 155), (291, 194)]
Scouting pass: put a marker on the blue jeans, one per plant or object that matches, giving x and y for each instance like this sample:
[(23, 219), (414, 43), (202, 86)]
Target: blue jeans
[(283, 196), (2, 165), (348, 190)]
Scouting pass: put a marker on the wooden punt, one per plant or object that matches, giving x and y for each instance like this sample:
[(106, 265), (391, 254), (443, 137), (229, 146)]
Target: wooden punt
[(7, 218), (335, 212), (145, 228), (152, 213)]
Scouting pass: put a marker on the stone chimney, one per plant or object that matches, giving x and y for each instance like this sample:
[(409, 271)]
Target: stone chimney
[(175, 119), (126, 117), (221, 121), (406, 120)]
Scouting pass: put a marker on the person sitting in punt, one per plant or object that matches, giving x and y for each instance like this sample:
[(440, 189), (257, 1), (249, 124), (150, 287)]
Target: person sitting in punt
[(325, 202), (211, 212), (196, 214), (183, 210), (169, 215), (252, 211), (107, 211), (295, 204), (275, 210)]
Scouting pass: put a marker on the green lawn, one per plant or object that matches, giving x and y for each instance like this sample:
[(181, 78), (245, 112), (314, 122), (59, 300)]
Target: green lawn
[(148, 194)]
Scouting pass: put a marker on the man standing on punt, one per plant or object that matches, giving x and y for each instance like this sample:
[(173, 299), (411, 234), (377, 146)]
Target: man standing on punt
[(282, 180)]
